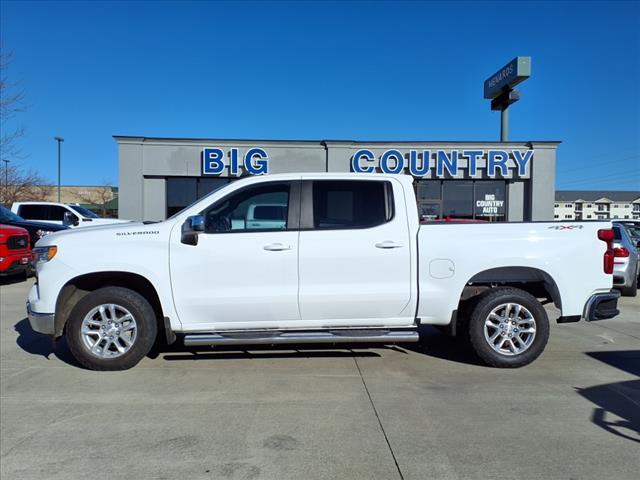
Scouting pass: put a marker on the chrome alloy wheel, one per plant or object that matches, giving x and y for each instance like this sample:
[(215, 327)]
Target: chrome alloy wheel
[(108, 330), (510, 329)]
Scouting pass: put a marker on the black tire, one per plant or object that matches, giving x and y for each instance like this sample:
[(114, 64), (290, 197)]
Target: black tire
[(479, 314), (146, 328), (631, 291)]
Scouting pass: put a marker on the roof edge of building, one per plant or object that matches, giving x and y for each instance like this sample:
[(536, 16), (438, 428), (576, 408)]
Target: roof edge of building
[(142, 139)]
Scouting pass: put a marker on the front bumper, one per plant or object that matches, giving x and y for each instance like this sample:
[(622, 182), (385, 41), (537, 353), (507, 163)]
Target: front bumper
[(602, 306), (14, 265), (41, 322)]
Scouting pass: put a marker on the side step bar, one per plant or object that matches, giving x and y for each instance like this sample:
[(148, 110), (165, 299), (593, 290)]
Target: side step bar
[(281, 338)]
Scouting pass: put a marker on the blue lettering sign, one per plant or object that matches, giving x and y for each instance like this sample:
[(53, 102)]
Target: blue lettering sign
[(443, 161), (212, 163), (233, 162), (256, 161), (414, 168), (473, 156), (362, 154), (497, 159), (522, 160), (385, 161)]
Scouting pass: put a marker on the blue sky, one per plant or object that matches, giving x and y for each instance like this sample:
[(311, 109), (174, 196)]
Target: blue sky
[(361, 71)]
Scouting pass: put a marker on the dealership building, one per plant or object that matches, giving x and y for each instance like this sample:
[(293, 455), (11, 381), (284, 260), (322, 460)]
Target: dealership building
[(491, 181)]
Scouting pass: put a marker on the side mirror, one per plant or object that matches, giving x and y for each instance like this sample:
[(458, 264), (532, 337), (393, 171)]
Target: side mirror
[(191, 227), (69, 219)]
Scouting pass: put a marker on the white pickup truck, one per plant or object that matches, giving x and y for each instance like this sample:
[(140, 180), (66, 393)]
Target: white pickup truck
[(70, 214), (351, 264)]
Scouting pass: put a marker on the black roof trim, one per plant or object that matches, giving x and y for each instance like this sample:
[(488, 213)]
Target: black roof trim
[(320, 142)]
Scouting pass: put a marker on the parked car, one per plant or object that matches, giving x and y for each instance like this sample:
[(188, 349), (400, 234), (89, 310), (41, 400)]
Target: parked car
[(626, 263), (351, 264), (15, 251), (72, 215), (36, 230)]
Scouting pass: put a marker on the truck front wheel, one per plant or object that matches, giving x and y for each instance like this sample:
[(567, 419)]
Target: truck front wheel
[(111, 328), (508, 327)]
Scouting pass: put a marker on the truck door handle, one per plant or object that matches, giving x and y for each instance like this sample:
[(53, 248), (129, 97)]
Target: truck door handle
[(277, 247), (389, 244)]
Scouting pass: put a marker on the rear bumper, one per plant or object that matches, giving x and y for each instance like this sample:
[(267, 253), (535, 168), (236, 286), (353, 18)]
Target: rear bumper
[(601, 306), (41, 322)]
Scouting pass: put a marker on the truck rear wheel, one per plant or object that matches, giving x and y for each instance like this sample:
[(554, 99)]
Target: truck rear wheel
[(508, 328), (111, 328)]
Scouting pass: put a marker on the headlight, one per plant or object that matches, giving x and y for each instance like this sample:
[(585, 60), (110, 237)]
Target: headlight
[(44, 254), (41, 233)]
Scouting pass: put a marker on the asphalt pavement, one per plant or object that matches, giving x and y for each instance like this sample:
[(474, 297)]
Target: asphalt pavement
[(422, 411)]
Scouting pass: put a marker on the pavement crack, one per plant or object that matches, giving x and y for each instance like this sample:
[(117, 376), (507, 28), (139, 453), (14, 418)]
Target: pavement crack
[(375, 411)]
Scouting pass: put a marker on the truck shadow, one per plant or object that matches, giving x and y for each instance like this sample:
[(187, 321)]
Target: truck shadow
[(256, 352), (617, 404), (11, 279), (36, 344), (438, 345)]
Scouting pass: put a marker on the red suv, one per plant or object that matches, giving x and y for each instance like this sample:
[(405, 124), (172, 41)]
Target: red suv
[(15, 250)]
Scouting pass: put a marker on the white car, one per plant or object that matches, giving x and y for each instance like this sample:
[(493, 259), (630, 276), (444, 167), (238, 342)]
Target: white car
[(72, 215), (351, 264)]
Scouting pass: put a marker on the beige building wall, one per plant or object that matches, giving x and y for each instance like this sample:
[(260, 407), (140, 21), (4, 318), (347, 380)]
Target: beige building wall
[(81, 194)]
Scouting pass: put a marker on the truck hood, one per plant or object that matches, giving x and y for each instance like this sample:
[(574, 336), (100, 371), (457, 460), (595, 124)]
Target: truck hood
[(106, 233)]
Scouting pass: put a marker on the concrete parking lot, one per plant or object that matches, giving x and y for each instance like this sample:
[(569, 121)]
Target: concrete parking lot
[(409, 412)]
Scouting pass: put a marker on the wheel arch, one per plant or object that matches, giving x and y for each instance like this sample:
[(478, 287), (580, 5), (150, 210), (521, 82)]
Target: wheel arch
[(79, 286), (533, 280), (530, 279)]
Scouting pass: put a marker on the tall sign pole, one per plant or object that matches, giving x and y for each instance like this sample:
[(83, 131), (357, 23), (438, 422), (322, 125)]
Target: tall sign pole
[(499, 89), (5, 196), (59, 140)]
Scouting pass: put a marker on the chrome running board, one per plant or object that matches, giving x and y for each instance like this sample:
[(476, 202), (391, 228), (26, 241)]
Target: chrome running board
[(283, 337)]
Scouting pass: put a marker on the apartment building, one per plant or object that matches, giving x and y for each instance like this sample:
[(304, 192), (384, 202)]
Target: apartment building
[(596, 205)]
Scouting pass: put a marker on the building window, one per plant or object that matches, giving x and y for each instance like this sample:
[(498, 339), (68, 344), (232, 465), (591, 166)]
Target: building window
[(589, 216), (589, 205), (183, 191), (556, 205), (556, 216), (568, 216), (568, 205), (626, 216), (457, 199)]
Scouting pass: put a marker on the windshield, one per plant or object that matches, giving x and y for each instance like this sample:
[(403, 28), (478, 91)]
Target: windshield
[(634, 231), (7, 215), (85, 212)]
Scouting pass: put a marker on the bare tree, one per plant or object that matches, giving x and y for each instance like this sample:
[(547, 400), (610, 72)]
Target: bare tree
[(98, 196), (11, 103), (21, 185)]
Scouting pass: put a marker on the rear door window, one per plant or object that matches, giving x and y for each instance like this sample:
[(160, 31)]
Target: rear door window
[(350, 204), (34, 212)]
